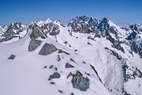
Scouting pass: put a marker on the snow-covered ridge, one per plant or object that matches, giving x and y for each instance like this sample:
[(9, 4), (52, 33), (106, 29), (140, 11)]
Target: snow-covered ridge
[(47, 57)]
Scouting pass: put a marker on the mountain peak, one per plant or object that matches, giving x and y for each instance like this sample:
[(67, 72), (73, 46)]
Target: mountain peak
[(105, 20)]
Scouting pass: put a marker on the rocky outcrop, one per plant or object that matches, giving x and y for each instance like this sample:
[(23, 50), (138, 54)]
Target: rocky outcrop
[(55, 75), (83, 24), (102, 28), (43, 30), (130, 72), (11, 57), (34, 44), (135, 41), (136, 27), (107, 30), (136, 46), (36, 32), (80, 82), (69, 65), (47, 49), (13, 30), (51, 28)]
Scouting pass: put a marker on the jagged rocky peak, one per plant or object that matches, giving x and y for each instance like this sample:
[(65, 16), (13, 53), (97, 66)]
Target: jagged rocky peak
[(136, 45), (105, 20), (83, 24), (84, 19), (104, 27), (14, 30), (15, 25), (133, 28), (104, 24), (136, 27), (112, 32), (107, 25), (44, 28), (48, 20), (135, 38)]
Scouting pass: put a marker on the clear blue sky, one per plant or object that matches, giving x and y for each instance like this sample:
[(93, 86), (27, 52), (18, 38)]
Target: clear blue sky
[(120, 11)]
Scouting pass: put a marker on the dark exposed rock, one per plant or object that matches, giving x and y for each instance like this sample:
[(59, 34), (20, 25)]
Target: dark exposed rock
[(55, 30), (91, 38), (52, 83), (62, 51), (69, 75), (87, 73), (11, 57), (125, 92), (135, 39), (103, 26), (125, 76), (75, 50), (134, 27), (115, 41), (50, 67), (12, 31), (58, 58), (56, 68), (136, 46), (132, 36), (36, 32), (89, 43), (93, 68), (45, 67), (72, 93), (51, 28), (118, 46), (83, 24), (80, 82), (65, 42), (70, 46), (137, 73), (47, 49), (42, 31), (72, 60), (84, 62), (114, 53), (60, 91), (34, 44), (107, 31), (68, 65), (55, 75), (130, 72)]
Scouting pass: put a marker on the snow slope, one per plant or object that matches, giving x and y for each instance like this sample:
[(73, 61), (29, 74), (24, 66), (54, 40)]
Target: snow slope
[(27, 75), (103, 59)]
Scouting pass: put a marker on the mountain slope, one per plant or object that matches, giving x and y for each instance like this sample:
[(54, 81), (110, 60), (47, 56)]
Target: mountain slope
[(27, 72), (81, 58)]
